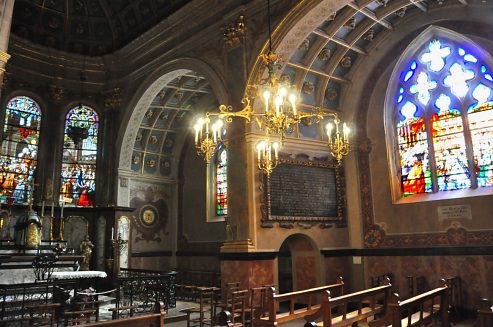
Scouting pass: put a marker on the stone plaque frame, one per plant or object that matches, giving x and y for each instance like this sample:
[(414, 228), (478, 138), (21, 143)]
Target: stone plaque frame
[(339, 220)]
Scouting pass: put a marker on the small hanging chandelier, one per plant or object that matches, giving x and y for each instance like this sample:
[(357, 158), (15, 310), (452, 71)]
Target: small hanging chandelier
[(279, 116)]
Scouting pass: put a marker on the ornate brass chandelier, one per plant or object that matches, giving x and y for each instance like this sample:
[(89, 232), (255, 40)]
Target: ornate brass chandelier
[(278, 117)]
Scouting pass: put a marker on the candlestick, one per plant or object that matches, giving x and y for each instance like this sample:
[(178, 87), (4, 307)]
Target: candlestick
[(43, 209), (53, 208), (61, 213), (112, 233)]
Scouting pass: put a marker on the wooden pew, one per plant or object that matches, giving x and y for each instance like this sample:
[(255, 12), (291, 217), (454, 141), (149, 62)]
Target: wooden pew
[(347, 309), (485, 314), (155, 319), (268, 316), (420, 310)]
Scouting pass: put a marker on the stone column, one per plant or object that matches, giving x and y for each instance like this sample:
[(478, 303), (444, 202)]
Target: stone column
[(6, 10)]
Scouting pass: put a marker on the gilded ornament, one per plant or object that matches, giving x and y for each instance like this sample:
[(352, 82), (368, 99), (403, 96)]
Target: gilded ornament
[(369, 35), (164, 115), (138, 138), (234, 33), (305, 45), (325, 54), (153, 139), (285, 79), (346, 62), (351, 23), (401, 12), (382, 2), (308, 87), (57, 93), (151, 163), (149, 114), (331, 94), (179, 95), (136, 160)]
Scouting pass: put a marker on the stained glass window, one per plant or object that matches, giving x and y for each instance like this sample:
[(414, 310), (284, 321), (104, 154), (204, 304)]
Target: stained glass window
[(19, 149), (78, 184), (222, 181), (445, 85)]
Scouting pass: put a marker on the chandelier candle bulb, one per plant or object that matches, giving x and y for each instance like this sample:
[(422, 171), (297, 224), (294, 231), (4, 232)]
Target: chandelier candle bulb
[(292, 99), (329, 132), (214, 133), (266, 97), (276, 150), (207, 126), (197, 128), (345, 130)]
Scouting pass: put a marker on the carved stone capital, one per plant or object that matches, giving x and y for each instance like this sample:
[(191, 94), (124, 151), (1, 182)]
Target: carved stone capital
[(234, 33)]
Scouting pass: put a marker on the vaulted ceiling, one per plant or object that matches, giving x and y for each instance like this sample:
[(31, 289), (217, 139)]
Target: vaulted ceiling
[(88, 27)]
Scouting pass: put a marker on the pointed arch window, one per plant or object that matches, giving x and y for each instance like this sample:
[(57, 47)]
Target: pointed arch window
[(19, 153), (78, 176), (442, 108)]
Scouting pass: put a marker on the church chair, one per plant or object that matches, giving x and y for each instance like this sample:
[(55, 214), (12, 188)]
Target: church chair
[(238, 307), (205, 313), (43, 314)]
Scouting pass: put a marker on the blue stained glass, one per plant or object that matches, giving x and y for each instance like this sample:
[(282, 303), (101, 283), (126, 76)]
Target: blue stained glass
[(414, 65), (461, 52), (409, 74), (399, 99), (483, 69), (401, 90), (222, 182), (488, 77), (470, 58)]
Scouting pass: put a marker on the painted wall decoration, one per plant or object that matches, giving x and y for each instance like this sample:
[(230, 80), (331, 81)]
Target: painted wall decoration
[(150, 218)]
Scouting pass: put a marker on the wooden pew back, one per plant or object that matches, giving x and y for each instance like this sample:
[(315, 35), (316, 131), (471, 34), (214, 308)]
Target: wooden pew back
[(485, 314), (347, 309), (312, 297), (155, 319), (419, 310)]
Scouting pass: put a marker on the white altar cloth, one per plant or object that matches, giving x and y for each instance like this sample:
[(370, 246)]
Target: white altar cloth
[(78, 274)]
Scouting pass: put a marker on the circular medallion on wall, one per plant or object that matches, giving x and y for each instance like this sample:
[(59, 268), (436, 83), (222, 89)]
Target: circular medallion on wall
[(148, 216)]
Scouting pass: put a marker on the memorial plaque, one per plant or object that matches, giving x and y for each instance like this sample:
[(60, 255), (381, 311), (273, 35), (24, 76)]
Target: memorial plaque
[(303, 191)]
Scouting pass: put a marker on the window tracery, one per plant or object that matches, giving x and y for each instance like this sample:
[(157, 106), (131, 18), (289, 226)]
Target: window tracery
[(444, 118)]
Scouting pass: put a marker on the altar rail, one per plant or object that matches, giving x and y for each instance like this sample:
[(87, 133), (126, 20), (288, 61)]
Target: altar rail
[(142, 288), (16, 299)]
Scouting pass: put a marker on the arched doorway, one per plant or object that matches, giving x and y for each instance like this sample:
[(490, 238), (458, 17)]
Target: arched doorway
[(298, 264)]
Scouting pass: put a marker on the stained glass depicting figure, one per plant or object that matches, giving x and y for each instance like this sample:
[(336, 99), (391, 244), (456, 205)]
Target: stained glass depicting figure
[(222, 182), (19, 149), (481, 126), (78, 177), (444, 84), (450, 149), (413, 151)]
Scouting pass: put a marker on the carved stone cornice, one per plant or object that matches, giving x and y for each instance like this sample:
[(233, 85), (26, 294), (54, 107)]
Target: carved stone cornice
[(4, 57)]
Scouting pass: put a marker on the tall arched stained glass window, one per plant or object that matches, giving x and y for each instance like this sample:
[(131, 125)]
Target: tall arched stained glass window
[(444, 118), (78, 180), (222, 181), (19, 149)]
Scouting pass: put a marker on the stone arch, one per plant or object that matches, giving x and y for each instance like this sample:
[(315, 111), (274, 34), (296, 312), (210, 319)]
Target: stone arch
[(302, 254), (139, 103)]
